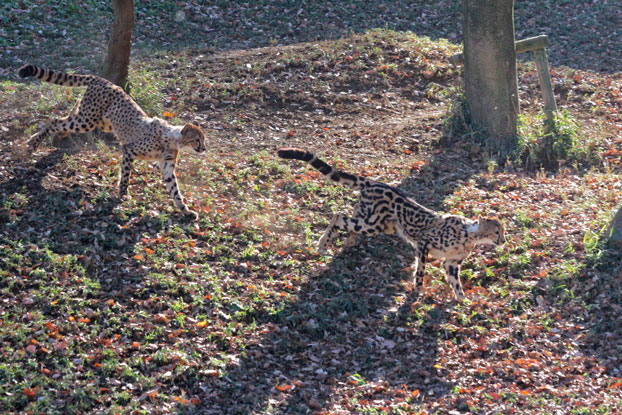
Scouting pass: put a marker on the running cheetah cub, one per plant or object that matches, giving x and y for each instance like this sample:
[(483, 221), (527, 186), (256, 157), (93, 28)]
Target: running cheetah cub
[(106, 106), (384, 209)]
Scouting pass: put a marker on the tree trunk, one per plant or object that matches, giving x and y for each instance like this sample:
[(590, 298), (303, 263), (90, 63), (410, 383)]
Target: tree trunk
[(490, 71), (614, 230), (117, 62)]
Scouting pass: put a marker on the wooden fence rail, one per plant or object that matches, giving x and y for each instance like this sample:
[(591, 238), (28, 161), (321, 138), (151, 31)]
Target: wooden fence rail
[(537, 45)]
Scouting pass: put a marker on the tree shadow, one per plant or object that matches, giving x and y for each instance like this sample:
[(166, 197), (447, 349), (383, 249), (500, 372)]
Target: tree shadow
[(580, 303), (68, 219), (597, 303), (347, 328), (440, 176)]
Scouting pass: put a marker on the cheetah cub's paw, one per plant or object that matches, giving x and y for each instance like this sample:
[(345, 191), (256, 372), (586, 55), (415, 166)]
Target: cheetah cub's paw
[(192, 215), (33, 142)]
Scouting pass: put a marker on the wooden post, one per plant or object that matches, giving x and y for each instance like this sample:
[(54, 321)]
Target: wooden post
[(544, 77)]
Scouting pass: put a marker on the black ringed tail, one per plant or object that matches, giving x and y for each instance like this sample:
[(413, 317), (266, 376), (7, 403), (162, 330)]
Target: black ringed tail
[(322, 166), (54, 77)]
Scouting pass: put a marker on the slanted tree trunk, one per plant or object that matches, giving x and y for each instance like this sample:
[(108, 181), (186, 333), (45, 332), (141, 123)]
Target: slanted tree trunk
[(614, 230), (117, 62), (490, 70)]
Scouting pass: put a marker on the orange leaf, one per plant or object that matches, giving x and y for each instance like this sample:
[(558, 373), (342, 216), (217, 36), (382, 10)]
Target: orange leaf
[(202, 324), (29, 392), (415, 393), (167, 114), (138, 257), (524, 392), (283, 388)]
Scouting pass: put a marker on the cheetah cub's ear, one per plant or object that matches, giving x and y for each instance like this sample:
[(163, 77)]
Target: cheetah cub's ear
[(193, 137)]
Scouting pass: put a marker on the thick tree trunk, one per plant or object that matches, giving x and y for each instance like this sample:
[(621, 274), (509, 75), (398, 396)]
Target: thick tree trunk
[(614, 230), (117, 62), (490, 70)]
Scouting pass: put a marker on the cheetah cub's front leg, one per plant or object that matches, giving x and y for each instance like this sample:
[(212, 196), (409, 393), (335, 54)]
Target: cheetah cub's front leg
[(126, 170), (452, 274), (167, 167)]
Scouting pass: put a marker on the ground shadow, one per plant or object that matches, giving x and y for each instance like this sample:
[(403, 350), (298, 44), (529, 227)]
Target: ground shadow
[(585, 39), (597, 292), (348, 327), (68, 219), (344, 330), (444, 172)]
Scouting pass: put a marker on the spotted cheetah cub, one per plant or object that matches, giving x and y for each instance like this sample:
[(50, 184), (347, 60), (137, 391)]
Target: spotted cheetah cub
[(384, 209), (106, 106)]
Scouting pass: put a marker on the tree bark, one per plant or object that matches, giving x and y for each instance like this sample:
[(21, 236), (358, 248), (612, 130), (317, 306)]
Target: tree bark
[(490, 71), (117, 62), (614, 230)]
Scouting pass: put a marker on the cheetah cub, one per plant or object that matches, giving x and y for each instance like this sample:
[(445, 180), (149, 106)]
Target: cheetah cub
[(106, 106), (384, 209)]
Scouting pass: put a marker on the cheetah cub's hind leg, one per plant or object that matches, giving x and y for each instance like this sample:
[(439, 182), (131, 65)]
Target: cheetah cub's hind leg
[(343, 223), (330, 234), (351, 241), (69, 124)]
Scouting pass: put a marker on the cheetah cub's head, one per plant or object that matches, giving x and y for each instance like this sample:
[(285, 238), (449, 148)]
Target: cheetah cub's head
[(490, 230), (193, 137)]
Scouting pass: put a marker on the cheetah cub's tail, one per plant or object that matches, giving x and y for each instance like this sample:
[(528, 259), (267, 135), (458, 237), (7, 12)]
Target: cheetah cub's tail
[(57, 78), (332, 173)]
